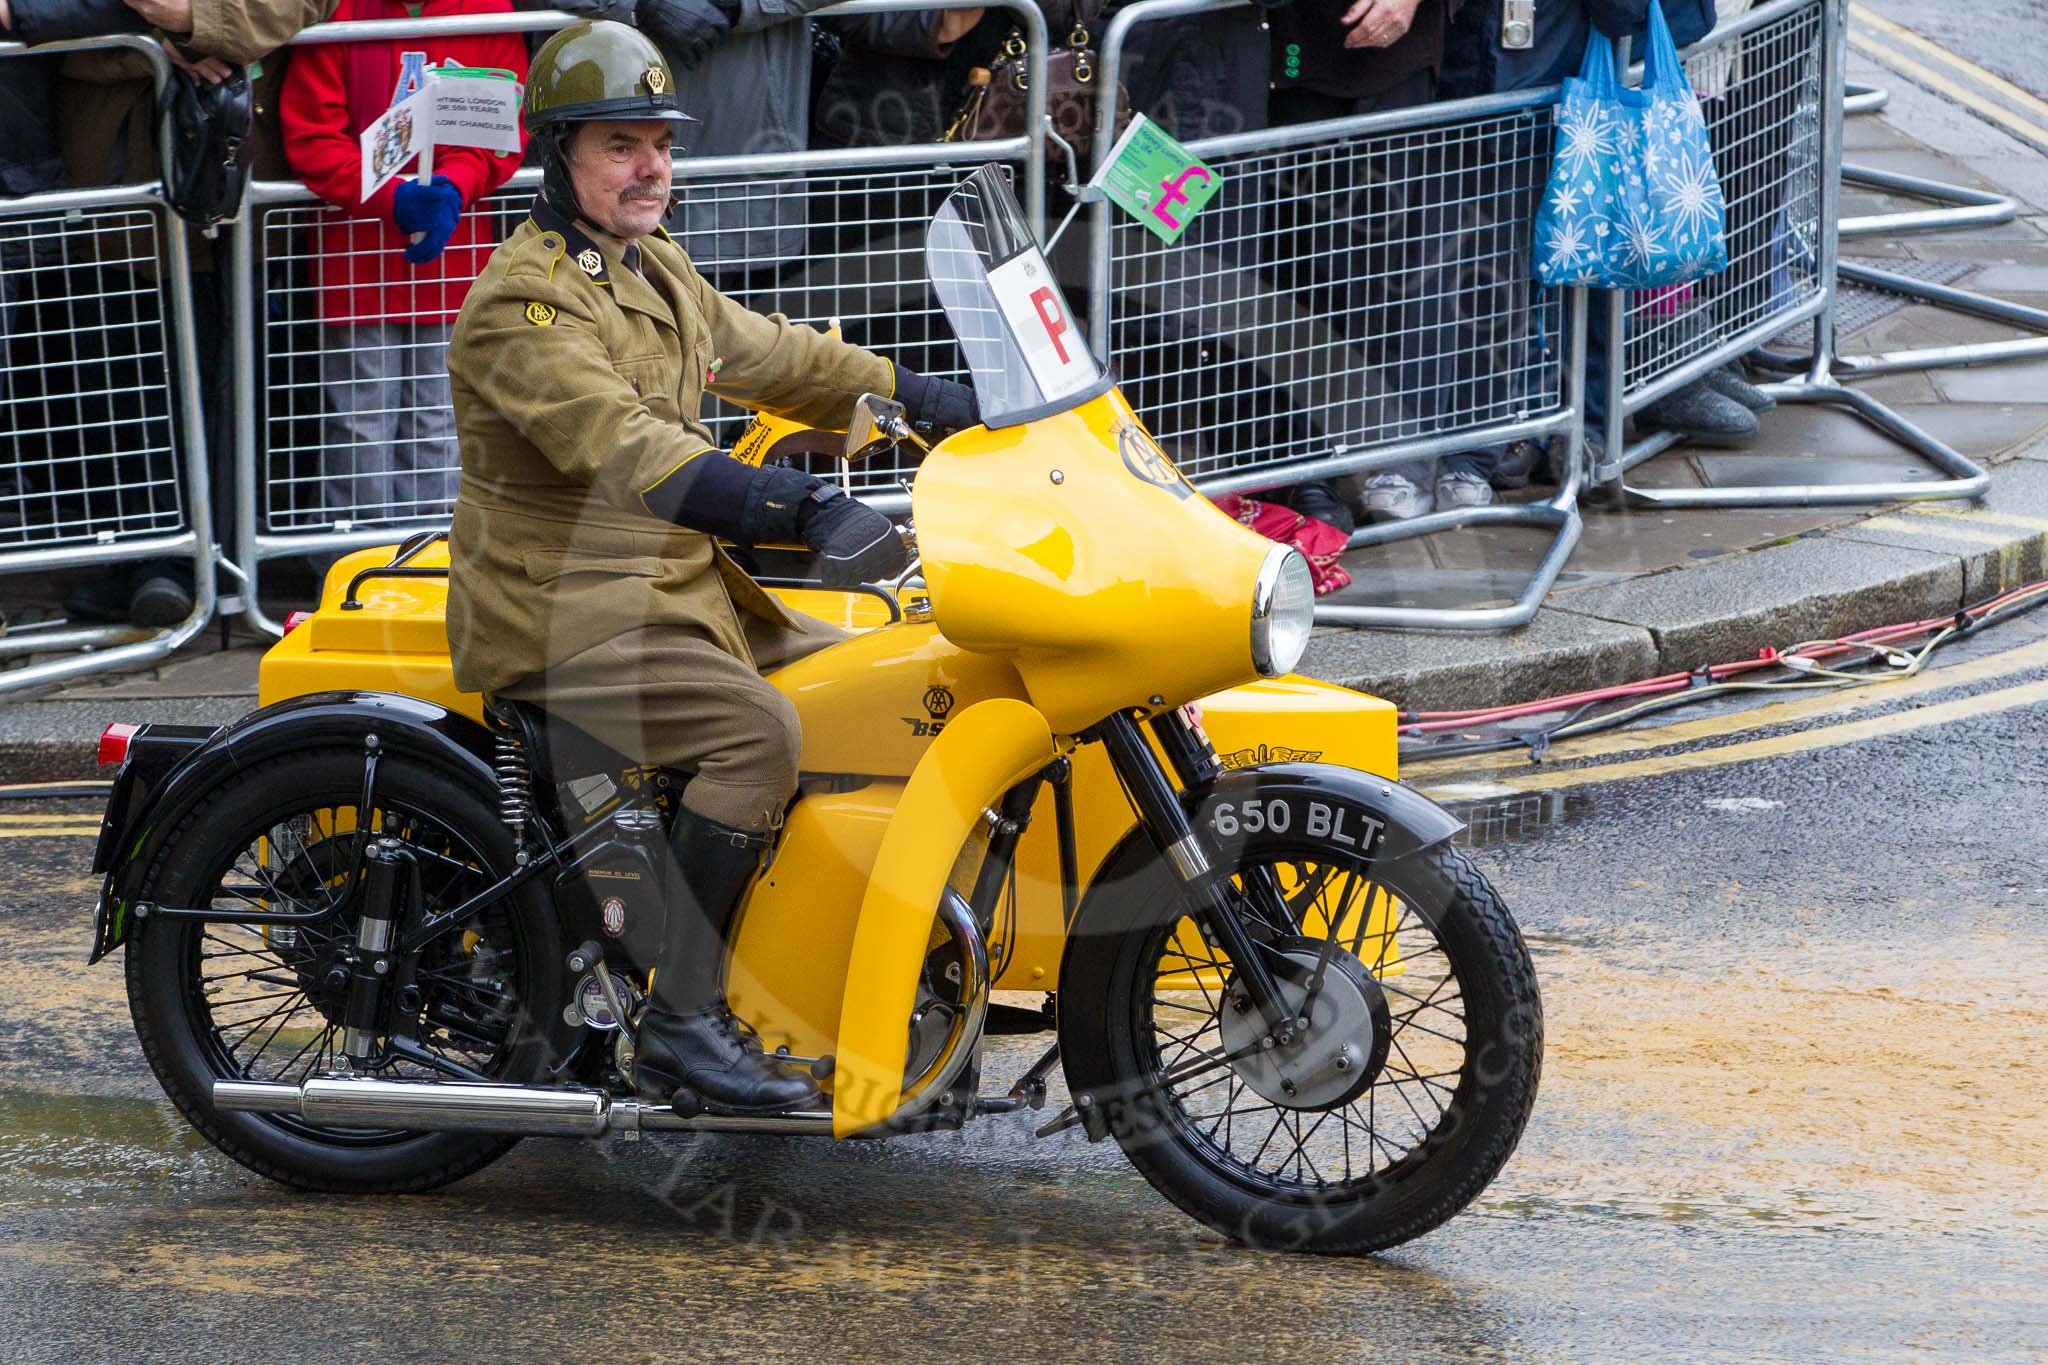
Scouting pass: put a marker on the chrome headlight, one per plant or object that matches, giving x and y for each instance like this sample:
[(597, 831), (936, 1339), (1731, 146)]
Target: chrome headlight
[(1283, 611)]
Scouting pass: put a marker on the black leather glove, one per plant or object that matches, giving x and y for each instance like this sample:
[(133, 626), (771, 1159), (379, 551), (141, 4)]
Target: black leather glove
[(855, 544), (687, 30), (940, 404)]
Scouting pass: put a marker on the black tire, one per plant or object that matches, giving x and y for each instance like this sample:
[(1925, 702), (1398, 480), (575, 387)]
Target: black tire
[(181, 1023), (1114, 989)]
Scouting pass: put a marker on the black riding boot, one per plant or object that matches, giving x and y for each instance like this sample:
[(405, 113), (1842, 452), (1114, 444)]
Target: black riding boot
[(687, 1039)]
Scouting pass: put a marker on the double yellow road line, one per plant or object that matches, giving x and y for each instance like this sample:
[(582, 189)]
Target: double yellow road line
[(1430, 776), (2019, 111), (49, 825)]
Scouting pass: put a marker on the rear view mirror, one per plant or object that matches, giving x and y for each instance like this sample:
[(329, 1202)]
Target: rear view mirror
[(877, 425)]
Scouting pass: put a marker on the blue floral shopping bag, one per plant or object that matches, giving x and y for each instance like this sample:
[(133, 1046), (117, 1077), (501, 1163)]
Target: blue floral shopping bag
[(1633, 201)]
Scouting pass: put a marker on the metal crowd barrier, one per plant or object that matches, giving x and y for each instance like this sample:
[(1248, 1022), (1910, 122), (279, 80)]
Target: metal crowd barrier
[(1361, 298), (1965, 207), (1858, 98), (1777, 134), (344, 430), (101, 433)]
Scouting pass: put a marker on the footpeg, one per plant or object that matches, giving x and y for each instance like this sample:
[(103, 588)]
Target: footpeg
[(686, 1103)]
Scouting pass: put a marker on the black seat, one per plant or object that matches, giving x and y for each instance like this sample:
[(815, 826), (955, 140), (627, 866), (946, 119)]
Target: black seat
[(556, 751)]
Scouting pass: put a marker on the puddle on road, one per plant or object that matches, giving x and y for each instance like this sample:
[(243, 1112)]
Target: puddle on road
[(1846, 1087), (71, 1149)]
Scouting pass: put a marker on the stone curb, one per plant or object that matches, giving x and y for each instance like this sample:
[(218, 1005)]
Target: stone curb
[(1904, 563)]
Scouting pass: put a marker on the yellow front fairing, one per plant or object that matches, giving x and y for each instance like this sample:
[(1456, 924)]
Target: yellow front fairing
[(1073, 548)]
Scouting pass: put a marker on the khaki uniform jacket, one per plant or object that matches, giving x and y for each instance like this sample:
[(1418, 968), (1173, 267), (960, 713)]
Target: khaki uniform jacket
[(577, 385)]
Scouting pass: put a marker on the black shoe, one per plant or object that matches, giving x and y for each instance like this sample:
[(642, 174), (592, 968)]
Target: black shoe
[(104, 599), (704, 1054), (1320, 500), (162, 596), (1517, 465), (1730, 382), (1701, 416)]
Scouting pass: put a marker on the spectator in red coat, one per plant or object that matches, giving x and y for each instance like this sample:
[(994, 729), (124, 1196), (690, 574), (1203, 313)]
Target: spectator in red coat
[(391, 271)]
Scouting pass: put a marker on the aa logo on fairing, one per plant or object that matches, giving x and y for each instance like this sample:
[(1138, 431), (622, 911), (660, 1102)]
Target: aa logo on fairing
[(1146, 461), (938, 704)]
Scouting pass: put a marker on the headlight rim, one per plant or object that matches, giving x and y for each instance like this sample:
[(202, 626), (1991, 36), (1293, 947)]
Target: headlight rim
[(1265, 593)]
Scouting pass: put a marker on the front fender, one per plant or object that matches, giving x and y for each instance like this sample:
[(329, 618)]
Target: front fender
[(1380, 818), (419, 729), (1363, 813), (982, 752)]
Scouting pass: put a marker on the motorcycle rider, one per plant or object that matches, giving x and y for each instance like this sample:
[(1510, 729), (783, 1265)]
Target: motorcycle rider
[(586, 576)]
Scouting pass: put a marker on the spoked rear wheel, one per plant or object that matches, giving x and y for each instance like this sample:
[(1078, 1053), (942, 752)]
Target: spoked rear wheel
[(1393, 1109), (217, 1001)]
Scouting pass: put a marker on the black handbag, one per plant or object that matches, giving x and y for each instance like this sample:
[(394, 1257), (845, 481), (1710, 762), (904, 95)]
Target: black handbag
[(209, 129)]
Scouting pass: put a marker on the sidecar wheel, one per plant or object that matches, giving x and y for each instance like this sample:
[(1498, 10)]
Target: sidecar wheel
[(214, 1001), (1399, 1105)]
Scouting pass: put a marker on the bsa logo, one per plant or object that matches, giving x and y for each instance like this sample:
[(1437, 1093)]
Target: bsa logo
[(1146, 461), (614, 912), (1267, 753), (938, 704), (590, 263)]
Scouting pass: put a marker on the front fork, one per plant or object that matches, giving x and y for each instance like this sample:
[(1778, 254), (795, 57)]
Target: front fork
[(1217, 907)]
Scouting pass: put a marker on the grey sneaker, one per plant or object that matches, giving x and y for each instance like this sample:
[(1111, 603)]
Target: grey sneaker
[(1463, 490), (1392, 497), (1700, 415), (1729, 382)]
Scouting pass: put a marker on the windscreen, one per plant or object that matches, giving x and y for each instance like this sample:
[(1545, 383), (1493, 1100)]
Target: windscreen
[(1023, 345)]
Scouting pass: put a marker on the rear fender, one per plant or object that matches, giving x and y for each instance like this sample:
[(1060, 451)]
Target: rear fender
[(140, 822), (982, 752)]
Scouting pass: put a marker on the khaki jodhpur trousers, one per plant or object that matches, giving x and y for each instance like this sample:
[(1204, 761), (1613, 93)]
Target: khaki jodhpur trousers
[(667, 695)]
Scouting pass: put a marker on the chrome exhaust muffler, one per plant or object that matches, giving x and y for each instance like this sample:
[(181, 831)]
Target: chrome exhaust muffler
[(480, 1107)]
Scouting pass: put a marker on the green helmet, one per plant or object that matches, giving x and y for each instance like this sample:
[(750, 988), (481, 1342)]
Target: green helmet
[(598, 69)]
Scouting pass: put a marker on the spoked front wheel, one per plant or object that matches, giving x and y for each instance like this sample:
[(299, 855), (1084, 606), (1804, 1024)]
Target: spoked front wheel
[(1390, 1110)]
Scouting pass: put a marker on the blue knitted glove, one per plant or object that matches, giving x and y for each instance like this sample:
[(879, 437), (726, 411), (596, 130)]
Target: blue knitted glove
[(430, 210)]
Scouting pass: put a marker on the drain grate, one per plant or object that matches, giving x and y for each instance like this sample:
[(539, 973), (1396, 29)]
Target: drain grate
[(1859, 307)]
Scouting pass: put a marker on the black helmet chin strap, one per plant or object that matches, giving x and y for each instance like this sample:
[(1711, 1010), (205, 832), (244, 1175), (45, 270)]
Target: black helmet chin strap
[(556, 187)]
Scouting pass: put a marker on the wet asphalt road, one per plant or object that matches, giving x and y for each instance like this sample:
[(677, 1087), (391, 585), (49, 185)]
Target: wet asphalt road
[(1793, 1106), (2008, 37)]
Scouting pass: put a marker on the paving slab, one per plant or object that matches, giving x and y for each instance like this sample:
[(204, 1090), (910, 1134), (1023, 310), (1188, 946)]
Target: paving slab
[(2006, 382), (1905, 387), (2007, 279), (1983, 431), (1453, 671), (1648, 540), (1989, 254), (1911, 157), (1811, 588), (1923, 324), (210, 673)]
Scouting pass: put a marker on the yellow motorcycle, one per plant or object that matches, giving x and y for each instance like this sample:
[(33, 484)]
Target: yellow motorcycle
[(1059, 782)]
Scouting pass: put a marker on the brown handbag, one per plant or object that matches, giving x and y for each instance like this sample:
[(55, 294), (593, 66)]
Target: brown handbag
[(994, 107)]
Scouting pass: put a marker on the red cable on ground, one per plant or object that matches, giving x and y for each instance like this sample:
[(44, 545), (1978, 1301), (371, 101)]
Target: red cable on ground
[(1425, 722)]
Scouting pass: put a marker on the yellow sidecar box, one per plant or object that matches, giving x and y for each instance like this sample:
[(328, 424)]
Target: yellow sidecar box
[(391, 636)]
